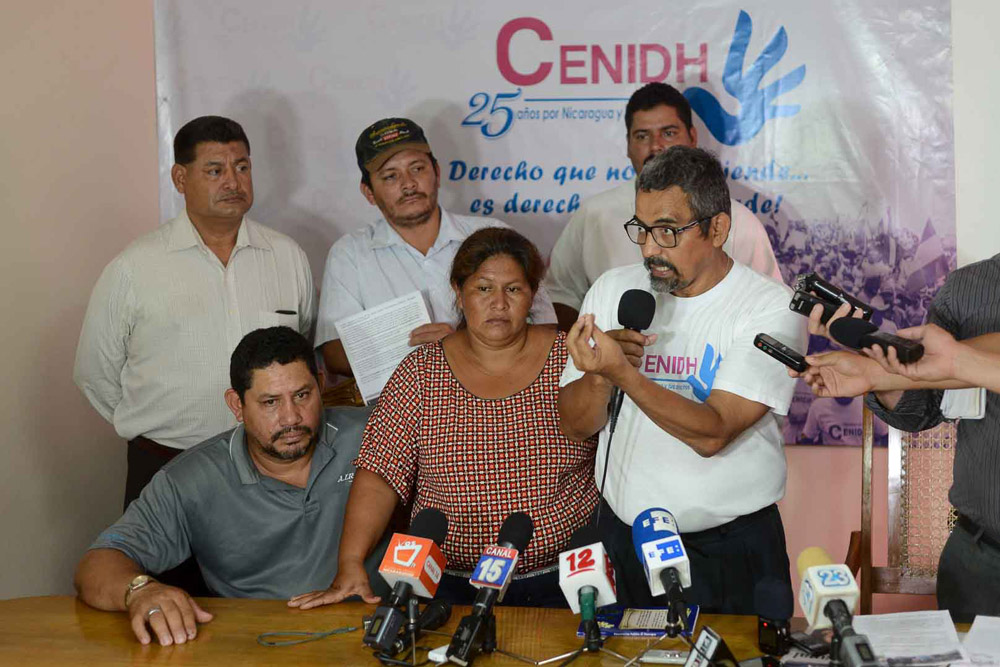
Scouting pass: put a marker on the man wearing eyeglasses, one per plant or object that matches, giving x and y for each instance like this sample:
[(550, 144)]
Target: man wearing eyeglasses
[(698, 433), (657, 117)]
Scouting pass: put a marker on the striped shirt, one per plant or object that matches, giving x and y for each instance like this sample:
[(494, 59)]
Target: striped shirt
[(478, 460), (968, 305)]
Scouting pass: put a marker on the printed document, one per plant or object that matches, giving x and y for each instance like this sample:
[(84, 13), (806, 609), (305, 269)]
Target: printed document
[(377, 339)]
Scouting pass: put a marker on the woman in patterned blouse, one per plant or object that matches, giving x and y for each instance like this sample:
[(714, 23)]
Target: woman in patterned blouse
[(470, 425)]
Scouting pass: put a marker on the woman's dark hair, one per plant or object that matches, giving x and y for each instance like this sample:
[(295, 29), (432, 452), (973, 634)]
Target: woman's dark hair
[(490, 242), (263, 347)]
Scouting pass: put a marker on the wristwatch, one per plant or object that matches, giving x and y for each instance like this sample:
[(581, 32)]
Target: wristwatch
[(136, 584)]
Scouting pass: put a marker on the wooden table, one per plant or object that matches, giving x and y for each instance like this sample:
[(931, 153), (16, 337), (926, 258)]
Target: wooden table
[(64, 631)]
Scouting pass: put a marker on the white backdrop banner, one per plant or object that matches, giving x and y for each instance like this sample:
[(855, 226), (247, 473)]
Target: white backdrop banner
[(832, 119)]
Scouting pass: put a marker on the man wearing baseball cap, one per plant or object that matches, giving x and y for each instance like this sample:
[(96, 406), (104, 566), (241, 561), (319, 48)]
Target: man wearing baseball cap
[(410, 246)]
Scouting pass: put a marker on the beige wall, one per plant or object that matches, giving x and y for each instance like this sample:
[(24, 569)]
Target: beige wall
[(78, 181)]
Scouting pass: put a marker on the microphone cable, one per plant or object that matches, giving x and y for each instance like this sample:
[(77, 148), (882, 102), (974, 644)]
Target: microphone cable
[(292, 638)]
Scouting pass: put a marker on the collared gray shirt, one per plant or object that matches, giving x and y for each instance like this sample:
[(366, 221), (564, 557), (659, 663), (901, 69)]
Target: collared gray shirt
[(967, 305), (252, 535)]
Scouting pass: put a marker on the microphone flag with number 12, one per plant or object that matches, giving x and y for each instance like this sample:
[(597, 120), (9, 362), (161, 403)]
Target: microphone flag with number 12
[(584, 566)]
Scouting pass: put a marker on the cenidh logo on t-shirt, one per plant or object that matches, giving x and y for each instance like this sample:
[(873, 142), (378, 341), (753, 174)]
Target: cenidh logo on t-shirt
[(682, 373)]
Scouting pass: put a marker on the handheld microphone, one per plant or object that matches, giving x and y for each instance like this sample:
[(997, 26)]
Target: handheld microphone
[(658, 545), (413, 565), (477, 631), (827, 596), (811, 282), (434, 615), (774, 604), (635, 311), (855, 334)]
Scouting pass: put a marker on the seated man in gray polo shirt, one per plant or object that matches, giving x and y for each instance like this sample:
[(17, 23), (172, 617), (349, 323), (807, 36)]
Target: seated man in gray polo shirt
[(260, 507)]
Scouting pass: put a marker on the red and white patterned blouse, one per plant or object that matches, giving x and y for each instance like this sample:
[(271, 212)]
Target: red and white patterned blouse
[(480, 459)]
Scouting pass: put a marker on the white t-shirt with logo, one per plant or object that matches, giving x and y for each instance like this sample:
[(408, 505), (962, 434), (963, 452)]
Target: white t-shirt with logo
[(704, 343), (829, 422)]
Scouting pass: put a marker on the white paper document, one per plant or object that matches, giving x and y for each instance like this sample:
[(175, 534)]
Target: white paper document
[(377, 339), (983, 641), (912, 638)]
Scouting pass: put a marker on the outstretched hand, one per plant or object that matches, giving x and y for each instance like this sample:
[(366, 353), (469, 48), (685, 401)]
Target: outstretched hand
[(939, 361), (349, 581), (839, 374)]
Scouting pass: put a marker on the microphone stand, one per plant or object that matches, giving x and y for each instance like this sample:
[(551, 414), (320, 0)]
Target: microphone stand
[(847, 647), (593, 642), (676, 608), (412, 612)]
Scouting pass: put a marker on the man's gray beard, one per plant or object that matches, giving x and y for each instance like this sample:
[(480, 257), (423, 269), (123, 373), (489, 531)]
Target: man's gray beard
[(664, 285)]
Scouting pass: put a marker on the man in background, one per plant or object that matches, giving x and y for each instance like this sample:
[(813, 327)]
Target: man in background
[(168, 311), (657, 117), (410, 247)]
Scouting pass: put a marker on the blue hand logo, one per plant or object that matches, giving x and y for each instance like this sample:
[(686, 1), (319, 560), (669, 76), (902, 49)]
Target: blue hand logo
[(702, 385), (756, 106)]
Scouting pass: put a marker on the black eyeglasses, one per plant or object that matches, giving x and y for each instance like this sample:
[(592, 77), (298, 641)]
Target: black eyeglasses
[(664, 235)]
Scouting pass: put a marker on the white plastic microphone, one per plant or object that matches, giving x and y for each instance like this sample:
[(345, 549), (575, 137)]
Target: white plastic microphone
[(823, 581), (586, 575), (828, 595)]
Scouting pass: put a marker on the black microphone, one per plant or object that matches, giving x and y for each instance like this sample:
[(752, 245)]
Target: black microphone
[(635, 311), (774, 605), (434, 615), (403, 571), (477, 631), (813, 283), (855, 334)]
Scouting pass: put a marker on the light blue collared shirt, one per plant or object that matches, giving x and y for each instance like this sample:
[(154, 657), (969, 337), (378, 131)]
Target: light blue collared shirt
[(374, 264)]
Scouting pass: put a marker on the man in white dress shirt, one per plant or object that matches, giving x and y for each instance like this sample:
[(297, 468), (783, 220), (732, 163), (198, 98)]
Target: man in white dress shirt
[(410, 247), (167, 313), (657, 117)]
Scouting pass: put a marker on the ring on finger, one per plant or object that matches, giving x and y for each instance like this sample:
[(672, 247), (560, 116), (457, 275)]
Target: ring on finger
[(154, 610)]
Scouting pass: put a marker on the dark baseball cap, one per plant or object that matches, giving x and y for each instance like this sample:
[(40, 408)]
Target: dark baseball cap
[(384, 138)]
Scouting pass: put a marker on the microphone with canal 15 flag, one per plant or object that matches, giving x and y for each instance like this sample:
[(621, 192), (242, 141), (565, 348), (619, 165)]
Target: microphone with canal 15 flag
[(477, 631)]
